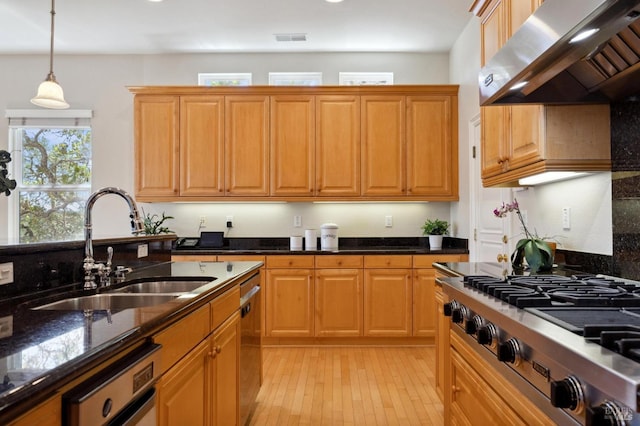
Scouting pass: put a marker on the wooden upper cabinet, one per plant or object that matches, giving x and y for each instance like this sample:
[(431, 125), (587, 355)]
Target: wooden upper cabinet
[(493, 28), (337, 146), (383, 156), (247, 145), (201, 145), (292, 145), (156, 123), (432, 149)]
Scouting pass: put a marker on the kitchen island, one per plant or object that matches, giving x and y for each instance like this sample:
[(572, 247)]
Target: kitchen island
[(50, 351)]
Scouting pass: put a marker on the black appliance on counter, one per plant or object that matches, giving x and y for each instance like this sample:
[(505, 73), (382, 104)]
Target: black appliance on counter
[(571, 344)]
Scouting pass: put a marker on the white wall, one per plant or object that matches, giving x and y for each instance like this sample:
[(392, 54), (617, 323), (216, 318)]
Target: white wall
[(99, 83)]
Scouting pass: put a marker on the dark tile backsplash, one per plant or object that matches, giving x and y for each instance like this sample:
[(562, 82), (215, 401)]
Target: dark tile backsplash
[(625, 188)]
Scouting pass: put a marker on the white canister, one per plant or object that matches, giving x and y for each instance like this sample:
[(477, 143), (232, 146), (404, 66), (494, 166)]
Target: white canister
[(310, 239), (295, 242), (329, 236)]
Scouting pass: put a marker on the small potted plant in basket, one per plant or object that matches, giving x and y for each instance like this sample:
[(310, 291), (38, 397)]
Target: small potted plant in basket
[(153, 224), (436, 229)]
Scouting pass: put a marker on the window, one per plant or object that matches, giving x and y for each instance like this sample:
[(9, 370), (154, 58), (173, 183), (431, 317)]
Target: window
[(295, 78), (224, 79), (51, 163)]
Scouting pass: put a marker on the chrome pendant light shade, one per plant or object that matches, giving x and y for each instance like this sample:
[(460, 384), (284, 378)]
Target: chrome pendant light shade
[(50, 93)]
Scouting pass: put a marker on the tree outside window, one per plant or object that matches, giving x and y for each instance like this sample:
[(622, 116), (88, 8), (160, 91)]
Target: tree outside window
[(53, 173)]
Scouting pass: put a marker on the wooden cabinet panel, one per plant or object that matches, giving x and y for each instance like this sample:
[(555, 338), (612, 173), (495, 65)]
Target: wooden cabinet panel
[(339, 261), (383, 149), (289, 303), (432, 166), (472, 401), (424, 314), (225, 373), (183, 392), (337, 146), (493, 134), (338, 302), (388, 261), (292, 161), (387, 302), (49, 413), (526, 142), (493, 27), (296, 261), (156, 123), (442, 346), (201, 145), (247, 145)]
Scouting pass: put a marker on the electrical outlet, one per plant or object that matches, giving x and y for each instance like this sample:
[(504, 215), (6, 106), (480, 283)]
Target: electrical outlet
[(203, 222), (388, 221), (297, 221), (6, 273), (566, 218), (143, 250), (229, 221), (6, 326)]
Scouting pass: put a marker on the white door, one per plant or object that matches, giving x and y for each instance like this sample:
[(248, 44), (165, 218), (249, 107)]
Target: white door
[(488, 240)]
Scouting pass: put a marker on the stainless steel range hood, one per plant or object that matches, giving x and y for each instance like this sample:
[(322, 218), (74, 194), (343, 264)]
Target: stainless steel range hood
[(557, 70)]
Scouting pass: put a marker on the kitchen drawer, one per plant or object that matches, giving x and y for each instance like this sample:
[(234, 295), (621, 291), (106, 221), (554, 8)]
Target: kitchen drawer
[(339, 261), (385, 261), (224, 305), (193, 258), (182, 336), (425, 261), (240, 257), (289, 262)]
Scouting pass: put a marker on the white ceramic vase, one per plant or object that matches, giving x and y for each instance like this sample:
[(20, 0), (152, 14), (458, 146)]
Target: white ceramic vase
[(435, 242)]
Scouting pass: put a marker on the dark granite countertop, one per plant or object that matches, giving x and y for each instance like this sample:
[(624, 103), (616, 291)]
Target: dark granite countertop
[(496, 269), (362, 250), (47, 349)]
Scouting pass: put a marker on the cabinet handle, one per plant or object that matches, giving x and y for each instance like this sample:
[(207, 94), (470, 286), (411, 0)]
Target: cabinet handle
[(218, 349), (212, 354), (455, 389)]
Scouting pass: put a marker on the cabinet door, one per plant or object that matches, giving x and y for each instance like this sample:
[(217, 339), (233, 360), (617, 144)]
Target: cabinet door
[(493, 30), (201, 146), (432, 150), (292, 145), (225, 373), (526, 141), (494, 139), (183, 392), (247, 145), (338, 302), (387, 302), (337, 146), (289, 303), (424, 314), (473, 401), (156, 146), (383, 155), (442, 346)]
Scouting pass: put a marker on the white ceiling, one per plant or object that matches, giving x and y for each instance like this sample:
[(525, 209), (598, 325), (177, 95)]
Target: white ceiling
[(192, 26)]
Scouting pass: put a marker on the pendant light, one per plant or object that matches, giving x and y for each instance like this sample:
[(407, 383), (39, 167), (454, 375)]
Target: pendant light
[(49, 92)]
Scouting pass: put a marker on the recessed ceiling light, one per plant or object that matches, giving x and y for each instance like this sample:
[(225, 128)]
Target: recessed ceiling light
[(333, 1), (155, 1)]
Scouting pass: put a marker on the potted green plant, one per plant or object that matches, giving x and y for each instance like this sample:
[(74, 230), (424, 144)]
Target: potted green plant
[(153, 224), (436, 229)]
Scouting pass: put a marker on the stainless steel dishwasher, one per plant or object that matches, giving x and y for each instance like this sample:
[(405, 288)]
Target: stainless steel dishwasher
[(250, 346), (121, 394)]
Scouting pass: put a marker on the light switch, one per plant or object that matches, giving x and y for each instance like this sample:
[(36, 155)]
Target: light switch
[(388, 221), (6, 273), (566, 218)]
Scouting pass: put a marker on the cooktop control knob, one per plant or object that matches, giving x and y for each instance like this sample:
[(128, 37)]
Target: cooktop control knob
[(608, 413), (509, 351), (448, 308), (458, 315), (567, 393), (487, 335), (472, 326)]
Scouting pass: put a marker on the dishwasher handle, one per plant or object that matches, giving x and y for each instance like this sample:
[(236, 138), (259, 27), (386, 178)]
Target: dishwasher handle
[(245, 301)]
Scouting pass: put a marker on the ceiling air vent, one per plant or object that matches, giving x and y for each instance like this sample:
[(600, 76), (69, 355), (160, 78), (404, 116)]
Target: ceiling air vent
[(291, 37)]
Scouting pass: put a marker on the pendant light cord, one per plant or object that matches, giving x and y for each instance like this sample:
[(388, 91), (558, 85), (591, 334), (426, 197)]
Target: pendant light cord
[(53, 14)]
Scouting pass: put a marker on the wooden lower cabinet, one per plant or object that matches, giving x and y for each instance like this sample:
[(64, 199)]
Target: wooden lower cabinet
[(387, 302), (49, 413), (441, 342), (289, 303), (338, 302), (225, 373), (183, 392), (479, 396)]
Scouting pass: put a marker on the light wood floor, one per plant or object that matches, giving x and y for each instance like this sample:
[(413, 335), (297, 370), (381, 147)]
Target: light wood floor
[(348, 386)]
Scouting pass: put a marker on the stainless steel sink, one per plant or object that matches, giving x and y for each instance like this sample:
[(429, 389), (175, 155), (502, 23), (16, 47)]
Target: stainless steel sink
[(111, 301), (162, 286)]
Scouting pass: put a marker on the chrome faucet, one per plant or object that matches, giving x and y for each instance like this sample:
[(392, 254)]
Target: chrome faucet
[(90, 266)]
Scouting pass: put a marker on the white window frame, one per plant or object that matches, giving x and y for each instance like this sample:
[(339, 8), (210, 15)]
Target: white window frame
[(225, 79), (28, 118)]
